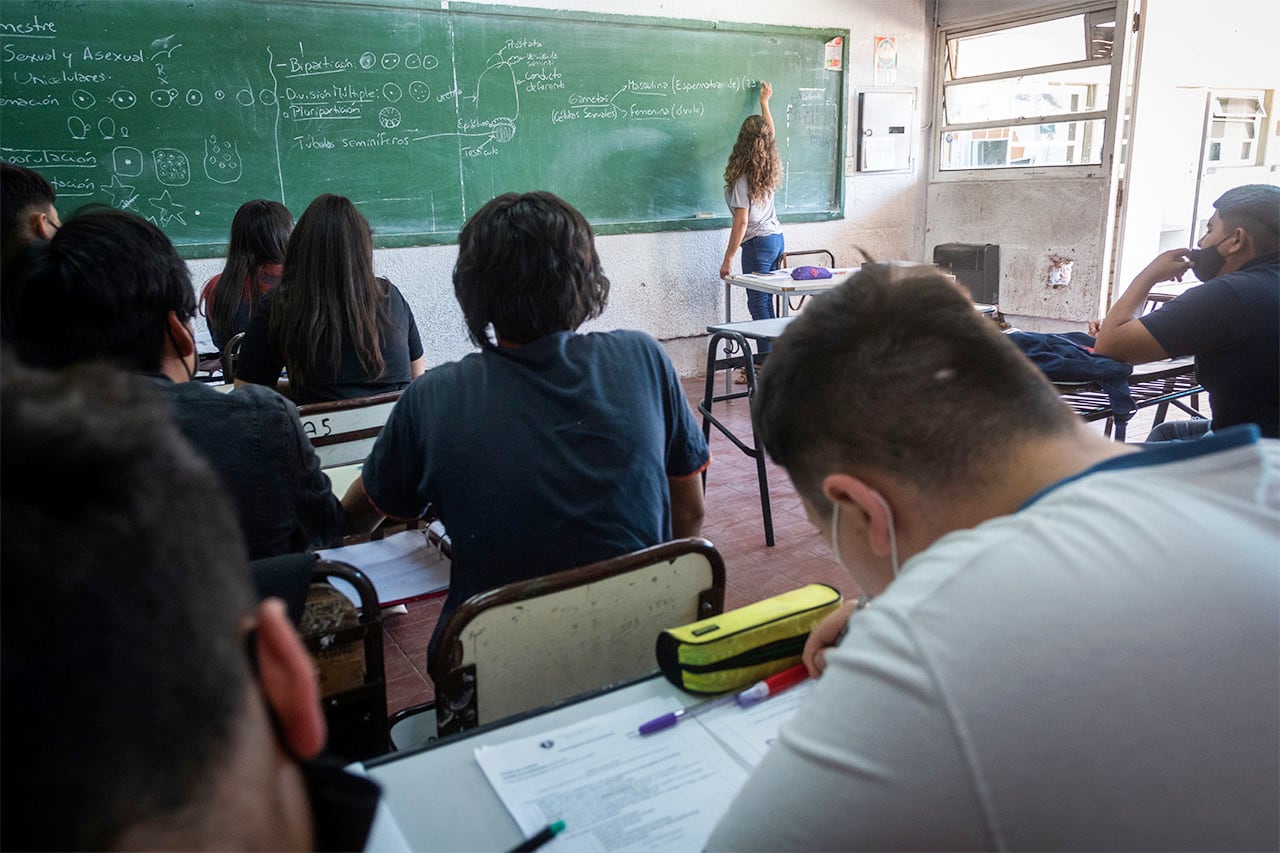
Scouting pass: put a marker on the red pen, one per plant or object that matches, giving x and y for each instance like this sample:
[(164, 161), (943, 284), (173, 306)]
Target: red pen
[(773, 684)]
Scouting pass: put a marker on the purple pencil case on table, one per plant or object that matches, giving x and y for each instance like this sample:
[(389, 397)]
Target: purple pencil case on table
[(808, 273)]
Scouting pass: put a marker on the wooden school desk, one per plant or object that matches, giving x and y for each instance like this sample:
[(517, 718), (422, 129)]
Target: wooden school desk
[(440, 798)]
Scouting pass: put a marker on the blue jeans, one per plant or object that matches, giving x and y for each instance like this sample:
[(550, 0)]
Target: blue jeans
[(761, 254), (1188, 430)]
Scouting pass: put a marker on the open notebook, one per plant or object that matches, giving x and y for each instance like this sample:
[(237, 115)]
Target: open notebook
[(403, 567)]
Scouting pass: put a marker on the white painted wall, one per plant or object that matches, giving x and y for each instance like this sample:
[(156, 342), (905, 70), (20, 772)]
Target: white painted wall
[(1032, 214), (1183, 57), (667, 283)]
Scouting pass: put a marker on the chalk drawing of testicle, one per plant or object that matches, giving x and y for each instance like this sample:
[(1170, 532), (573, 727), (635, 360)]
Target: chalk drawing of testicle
[(173, 169), (222, 163)]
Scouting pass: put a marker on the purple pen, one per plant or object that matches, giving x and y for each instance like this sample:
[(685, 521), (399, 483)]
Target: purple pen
[(670, 718)]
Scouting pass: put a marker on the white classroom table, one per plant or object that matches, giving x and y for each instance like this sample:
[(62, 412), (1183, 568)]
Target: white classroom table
[(440, 798), (780, 283)]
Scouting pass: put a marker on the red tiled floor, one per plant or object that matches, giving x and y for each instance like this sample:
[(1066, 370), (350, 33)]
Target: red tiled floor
[(733, 522)]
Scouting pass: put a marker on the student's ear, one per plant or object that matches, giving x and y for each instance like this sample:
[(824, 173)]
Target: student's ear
[(180, 338), (43, 225), (1240, 239), (289, 681), (863, 503)]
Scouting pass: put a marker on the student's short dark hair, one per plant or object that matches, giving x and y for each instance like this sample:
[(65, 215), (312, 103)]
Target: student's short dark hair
[(527, 264), (20, 190), (899, 375), (1256, 209), (123, 589), (99, 290)]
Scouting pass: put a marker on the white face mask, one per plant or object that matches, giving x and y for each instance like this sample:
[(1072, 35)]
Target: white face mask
[(835, 534)]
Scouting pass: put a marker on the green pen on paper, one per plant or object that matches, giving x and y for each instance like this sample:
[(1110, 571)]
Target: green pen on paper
[(541, 838)]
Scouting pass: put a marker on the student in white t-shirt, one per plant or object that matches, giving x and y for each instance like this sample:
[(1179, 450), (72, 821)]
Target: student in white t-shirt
[(753, 172), (1071, 644)]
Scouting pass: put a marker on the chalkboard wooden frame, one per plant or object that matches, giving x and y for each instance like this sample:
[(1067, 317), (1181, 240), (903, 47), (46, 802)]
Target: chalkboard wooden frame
[(471, 18)]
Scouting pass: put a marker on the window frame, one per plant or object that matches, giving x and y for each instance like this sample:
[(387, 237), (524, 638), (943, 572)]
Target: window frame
[(1108, 116)]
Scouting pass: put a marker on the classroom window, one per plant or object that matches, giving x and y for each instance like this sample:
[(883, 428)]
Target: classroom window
[(1028, 94), (1234, 125)]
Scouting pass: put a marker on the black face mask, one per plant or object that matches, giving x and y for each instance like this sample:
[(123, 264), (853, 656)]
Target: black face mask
[(343, 805), (1206, 263)]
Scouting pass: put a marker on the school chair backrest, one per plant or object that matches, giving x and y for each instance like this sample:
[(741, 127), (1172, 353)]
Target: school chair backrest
[(231, 357), (541, 641), (345, 641), (343, 431)]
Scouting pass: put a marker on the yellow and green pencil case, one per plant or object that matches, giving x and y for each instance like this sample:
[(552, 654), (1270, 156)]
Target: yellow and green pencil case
[(740, 647)]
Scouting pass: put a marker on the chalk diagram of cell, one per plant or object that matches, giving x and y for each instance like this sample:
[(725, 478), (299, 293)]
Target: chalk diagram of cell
[(222, 163), (173, 169), (127, 161)]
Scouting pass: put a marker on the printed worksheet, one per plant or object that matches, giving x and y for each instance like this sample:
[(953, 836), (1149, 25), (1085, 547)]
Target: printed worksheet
[(751, 731), (616, 790)]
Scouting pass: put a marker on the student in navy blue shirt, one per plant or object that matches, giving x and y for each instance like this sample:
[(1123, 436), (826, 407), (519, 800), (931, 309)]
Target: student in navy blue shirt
[(1231, 323), (548, 449)]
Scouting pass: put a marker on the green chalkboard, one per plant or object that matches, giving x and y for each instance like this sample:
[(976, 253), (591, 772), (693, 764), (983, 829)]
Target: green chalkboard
[(183, 110)]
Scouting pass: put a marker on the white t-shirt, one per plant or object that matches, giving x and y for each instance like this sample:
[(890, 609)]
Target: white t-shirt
[(761, 217), (1100, 669)]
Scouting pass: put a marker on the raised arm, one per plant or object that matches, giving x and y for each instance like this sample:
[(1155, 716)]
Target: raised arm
[(1121, 336), (766, 92)]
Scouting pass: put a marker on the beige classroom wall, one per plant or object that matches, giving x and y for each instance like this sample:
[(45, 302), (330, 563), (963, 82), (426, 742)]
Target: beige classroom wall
[(666, 283), (1031, 214)]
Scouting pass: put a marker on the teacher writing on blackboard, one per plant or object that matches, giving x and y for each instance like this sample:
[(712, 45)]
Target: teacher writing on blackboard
[(753, 172)]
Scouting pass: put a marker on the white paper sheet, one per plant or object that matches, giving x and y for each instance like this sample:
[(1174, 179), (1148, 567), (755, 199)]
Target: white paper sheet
[(750, 732), (402, 567), (614, 789)]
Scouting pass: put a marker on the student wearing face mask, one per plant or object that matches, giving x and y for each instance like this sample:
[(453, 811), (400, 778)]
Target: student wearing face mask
[(1231, 323), (111, 287), (1039, 667), (149, 702)]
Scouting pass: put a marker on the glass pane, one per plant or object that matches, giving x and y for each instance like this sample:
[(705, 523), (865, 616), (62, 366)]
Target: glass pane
[(1029, 46), (1102, 33), (1062, 143), (1237, 107), (1057, 93)]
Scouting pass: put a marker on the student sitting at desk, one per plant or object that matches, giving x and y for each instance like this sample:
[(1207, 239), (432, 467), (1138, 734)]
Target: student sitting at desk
[(27, 217), (27, 214), (110, 287), (340, 331), (259, 235), (149, 703), (548, 449), (1071, 644), (1231, 323), (752, 174)]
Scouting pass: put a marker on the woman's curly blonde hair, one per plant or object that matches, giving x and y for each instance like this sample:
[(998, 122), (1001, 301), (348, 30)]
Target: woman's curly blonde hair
[(754, 156)]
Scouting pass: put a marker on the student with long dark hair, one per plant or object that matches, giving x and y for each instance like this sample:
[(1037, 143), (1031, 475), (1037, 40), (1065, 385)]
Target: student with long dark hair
[(338, 330), (255, 255)]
